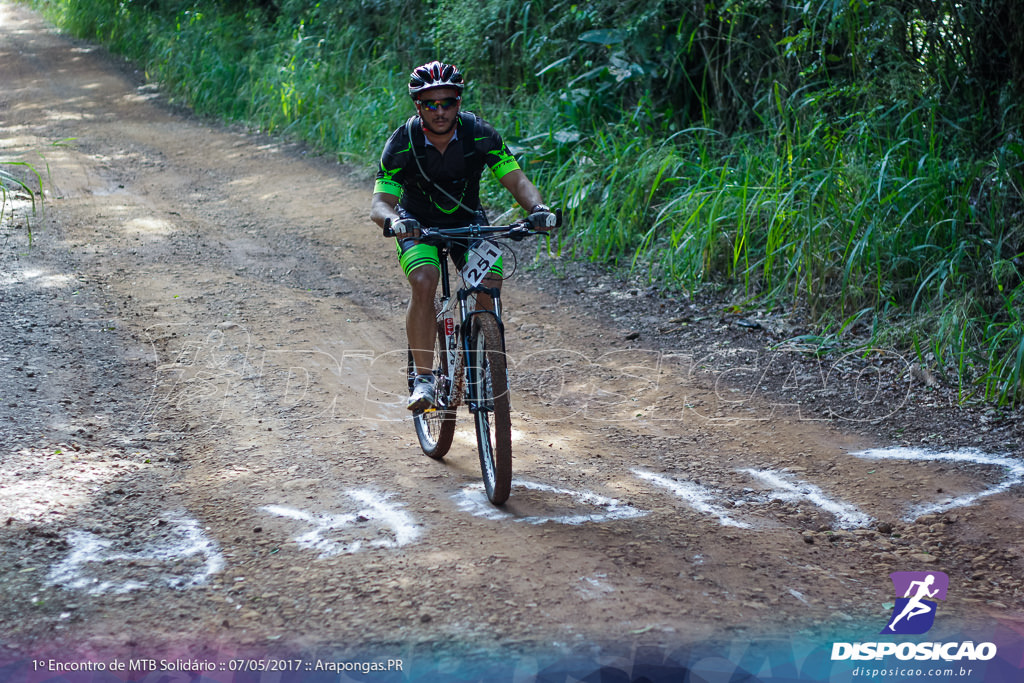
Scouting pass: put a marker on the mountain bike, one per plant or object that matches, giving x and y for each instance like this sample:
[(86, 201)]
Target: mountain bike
[(469, 361)]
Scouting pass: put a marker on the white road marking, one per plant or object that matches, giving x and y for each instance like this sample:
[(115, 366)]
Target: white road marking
[(473, 499), (1014, 474), (90, 554), (783, 488), (379, 510), (698, 497)]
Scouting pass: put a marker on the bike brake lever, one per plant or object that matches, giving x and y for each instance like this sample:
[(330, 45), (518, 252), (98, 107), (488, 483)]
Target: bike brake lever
[(519, 232)]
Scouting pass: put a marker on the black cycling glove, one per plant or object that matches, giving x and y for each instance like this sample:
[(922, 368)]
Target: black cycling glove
[(541, 218), (405, 227)]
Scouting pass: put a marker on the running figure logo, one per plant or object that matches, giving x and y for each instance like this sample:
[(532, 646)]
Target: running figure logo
[(914, 612)]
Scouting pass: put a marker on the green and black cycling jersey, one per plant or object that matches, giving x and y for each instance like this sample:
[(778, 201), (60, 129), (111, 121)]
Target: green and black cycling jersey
[(457, 171)]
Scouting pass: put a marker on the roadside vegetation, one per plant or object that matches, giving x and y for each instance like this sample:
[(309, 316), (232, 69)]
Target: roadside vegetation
[(858, 161), (15, 191)]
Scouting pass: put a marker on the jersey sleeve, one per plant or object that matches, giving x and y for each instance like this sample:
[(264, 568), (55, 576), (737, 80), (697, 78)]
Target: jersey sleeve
[(496, 153), (391, 171)]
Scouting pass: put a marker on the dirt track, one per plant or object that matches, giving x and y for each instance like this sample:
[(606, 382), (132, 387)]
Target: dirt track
[(203, 446)]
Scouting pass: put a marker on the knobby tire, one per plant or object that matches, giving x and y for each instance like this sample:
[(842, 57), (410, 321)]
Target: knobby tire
[(493, 419), (436, 428)]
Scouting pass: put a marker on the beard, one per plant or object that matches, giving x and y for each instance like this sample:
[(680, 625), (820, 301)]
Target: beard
[(432, 127)]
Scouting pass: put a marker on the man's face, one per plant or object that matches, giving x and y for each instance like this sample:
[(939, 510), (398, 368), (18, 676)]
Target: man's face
[(439, 109)]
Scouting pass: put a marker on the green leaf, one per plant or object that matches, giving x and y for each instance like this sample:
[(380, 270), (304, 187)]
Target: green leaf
[(555, 64), (603, 36)]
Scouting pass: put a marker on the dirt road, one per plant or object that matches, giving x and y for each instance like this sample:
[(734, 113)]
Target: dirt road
[(204, 450)]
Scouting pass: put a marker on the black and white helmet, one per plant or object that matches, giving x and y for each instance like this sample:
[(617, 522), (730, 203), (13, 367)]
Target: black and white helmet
[(435, 75)]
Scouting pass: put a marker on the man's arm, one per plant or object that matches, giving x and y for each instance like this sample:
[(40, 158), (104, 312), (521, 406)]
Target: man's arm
[(522, 189), (383, 207), (541, 217)]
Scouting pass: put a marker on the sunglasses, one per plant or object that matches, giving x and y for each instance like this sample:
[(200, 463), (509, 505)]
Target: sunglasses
[(434, 105)]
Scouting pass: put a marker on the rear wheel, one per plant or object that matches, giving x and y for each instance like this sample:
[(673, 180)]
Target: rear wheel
[(435, 428), (493, 421)]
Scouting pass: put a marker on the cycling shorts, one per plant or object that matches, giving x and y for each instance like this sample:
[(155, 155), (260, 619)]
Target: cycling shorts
[(412, 255)]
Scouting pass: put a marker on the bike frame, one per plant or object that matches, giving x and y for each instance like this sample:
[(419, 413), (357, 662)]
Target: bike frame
[(466, 314)]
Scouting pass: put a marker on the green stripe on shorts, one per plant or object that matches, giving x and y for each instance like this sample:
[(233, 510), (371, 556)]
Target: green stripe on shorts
[(426, 255), (416, 256)]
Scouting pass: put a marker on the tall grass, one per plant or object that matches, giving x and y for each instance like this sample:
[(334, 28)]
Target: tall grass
[(876, 224), (876, 216), (14, 186)]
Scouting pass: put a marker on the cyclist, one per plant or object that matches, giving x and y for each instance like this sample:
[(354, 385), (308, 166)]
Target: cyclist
[(429, 175)]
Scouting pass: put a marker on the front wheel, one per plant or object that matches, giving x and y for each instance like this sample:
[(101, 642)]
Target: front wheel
[(435, 428), (489, 391)]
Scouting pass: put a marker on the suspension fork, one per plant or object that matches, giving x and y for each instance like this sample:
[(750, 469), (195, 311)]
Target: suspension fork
[(473, 397)]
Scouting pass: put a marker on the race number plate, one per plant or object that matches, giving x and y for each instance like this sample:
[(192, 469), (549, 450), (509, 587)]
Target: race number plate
[(479, 260)]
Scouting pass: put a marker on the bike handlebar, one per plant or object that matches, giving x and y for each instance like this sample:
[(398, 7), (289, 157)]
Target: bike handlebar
[(438, 236), (519, 230)]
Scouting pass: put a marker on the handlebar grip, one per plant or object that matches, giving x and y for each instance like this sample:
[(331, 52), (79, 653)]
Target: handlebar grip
[(388, 232), (558, 218)]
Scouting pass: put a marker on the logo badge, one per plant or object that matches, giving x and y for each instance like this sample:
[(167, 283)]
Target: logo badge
[(916, 595)]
